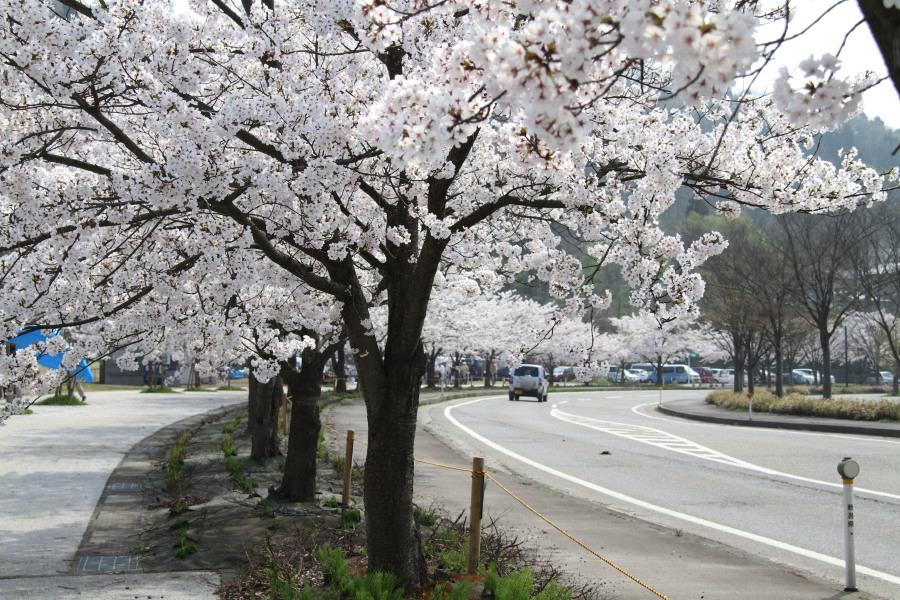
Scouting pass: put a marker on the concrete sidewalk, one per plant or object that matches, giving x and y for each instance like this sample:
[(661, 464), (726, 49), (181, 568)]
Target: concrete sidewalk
[(54, 468), (698, 410), (678, 564)]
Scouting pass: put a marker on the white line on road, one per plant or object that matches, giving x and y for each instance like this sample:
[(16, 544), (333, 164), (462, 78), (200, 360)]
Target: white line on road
[(831, 560), (673, 443)]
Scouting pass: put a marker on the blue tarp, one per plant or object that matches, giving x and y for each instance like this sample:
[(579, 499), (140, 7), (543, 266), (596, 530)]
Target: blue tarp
[(51, 361)]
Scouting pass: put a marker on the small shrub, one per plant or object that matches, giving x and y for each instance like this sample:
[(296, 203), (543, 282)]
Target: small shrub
[(27, 411), (460, 591), (180, 523), (518, 585), (172, 472), (228, 447), (455, 561), (180, 506), (267, 508), (335, 569), (64, 400), (331, 502), (158, 389), (185, 546), (339, 462), (234, 465), (229, 388), (376, 586), (424, 517), (350, 517), (553, 591)]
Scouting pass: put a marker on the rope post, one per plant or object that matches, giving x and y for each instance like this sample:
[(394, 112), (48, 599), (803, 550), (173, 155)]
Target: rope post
[(348, 468), (475, 509)]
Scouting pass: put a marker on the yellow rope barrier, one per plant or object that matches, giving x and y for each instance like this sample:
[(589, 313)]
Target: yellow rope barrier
[(541, 516), (578, 542)]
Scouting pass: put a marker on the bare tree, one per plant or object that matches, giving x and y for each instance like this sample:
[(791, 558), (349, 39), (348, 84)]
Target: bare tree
[(820, 250), (878, 271)]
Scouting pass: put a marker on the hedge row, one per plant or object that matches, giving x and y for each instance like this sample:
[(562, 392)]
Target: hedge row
[(798, 404)]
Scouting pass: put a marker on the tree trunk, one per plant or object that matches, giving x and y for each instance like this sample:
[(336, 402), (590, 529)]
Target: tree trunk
[(390, 526), (884, 23), (264, 400), (659, 371), (751, 386), (896, 382), (825, 341), (488, 375), (340, 373), (298, 484), (779, 360)]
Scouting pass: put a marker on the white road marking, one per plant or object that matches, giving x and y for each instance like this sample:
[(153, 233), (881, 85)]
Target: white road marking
[(831, 560), (673, 443)]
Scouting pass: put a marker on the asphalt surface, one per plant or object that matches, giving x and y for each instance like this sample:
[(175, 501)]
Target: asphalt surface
[(772, 493), (54, 467)]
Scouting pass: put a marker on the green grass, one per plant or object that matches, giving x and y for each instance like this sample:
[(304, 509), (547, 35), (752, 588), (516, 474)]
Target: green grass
[(159, 389), (798, 404), (185, 546), (64, 400), (27, 411), (172, 467), (230, 388), (228, 447), (108, 387)]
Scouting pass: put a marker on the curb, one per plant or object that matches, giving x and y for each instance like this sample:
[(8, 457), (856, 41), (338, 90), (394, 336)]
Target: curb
[(772, 424)]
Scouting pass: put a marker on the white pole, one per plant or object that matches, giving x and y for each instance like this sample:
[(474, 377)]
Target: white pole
[(848, 470), (849, 550)]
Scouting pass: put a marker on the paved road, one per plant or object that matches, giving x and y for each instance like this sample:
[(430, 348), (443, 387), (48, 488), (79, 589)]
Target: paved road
[(770, 492), (54, 467)]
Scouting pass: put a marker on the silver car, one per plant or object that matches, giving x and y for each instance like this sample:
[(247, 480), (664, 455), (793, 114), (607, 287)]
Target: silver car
[(528, 380)]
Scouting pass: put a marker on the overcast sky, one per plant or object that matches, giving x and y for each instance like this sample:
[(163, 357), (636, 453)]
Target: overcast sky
[(859, 55)]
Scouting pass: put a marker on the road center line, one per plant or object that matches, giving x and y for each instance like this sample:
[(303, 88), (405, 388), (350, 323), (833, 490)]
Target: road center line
[(673, 443), (831, 560)]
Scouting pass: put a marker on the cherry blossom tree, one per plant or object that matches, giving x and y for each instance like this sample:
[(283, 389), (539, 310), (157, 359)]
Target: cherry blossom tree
[(360, 147), (643, 337)]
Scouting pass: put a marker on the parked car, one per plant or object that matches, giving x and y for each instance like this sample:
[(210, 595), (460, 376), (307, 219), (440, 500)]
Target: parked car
[(803, 377), (725, 376), (563, 374), (528, 380), (707, 375), (648, 367), (613, 375), (881, 378), (673, 374), (636, 376)]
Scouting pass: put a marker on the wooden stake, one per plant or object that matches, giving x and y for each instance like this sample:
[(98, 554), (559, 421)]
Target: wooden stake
[(348, 469), (475, 508)]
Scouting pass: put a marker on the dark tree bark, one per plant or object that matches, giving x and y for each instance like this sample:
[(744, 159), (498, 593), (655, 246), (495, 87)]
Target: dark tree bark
[(340, 372), (298, 483), (430, 360), (488, 365), (825, 341), (659, 371), (264, 400), (389, 473), (885, 26)]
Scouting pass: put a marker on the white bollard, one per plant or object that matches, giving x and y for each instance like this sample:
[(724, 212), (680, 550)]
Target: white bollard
[(849, 469)]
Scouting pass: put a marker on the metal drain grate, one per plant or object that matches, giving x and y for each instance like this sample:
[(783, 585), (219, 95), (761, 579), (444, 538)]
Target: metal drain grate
[(108, 564)]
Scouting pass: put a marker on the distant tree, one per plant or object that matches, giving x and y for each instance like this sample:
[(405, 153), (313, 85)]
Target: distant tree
[(820, 250), (877, 266)]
